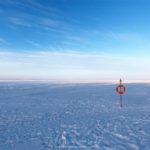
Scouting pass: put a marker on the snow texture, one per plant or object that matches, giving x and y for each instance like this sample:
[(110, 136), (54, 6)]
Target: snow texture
[(41, 116)]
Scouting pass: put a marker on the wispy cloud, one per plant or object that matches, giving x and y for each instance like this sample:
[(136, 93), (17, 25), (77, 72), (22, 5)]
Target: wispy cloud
[(42, 9), (31, 4), (118, 36), (48, 22), (79, 39), (43, 23), (43, 15), (123, 36), (45, 18), (34, 43), (3, 41), (19, 21)]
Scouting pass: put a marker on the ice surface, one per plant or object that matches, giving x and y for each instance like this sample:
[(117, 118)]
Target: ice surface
[(40, 116)]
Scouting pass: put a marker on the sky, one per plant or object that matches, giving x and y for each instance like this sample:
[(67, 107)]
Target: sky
[(75, 40)]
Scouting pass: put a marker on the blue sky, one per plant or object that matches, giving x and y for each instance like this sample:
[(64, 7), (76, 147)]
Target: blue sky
[(75, 40)]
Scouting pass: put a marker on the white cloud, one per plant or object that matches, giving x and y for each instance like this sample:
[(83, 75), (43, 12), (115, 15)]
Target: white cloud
[(71, 66)]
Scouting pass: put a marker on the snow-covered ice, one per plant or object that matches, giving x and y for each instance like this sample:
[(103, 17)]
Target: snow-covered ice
[(42, 116)]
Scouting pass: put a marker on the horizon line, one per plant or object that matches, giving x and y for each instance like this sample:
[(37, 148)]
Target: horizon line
[(75, 81)]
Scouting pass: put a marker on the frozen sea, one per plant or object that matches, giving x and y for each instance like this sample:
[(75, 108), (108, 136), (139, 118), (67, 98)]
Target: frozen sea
[(44, 116)]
